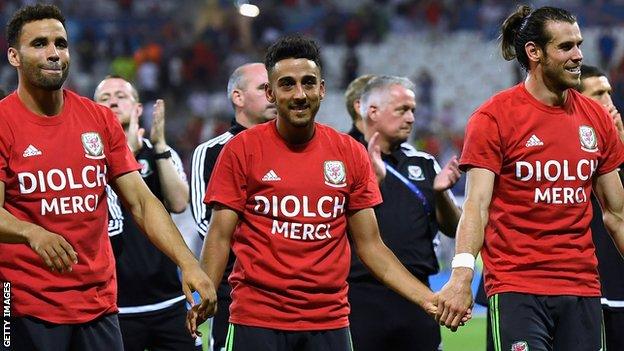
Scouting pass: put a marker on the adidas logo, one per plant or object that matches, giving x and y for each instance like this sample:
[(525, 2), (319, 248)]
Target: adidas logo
[(271, 176), (31, 151), (533, 141)]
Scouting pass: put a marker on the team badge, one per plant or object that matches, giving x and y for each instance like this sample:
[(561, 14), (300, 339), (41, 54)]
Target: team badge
[(92, 144), (520, 346), (589, 142), (335, 174), (415, 173), (146, 170)]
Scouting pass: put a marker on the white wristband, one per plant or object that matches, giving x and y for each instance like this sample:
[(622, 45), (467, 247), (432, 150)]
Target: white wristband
[(463, 260)]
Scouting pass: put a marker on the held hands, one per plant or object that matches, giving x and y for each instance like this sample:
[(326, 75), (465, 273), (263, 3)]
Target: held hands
[(448, 176), (53, 249), (374, 153), (454, 300), (195, 279)]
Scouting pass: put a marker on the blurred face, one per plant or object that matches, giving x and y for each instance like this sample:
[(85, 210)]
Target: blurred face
[(296, 88), (116, 94), (599, 89), (393, 116), (562, 56), (254, 101), (42, 55)]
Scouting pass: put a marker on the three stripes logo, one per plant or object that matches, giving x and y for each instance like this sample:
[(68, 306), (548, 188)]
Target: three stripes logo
[(31, 151), (271, 176), (533, 141)]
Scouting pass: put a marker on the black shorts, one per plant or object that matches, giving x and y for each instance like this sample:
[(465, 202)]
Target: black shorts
[(158, 330), (522, 322), (32, 334), (613, 328), (220, 322), (383, 320), (245, 338)]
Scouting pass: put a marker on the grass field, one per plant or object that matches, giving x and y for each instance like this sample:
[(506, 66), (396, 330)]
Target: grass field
[(470, 337)]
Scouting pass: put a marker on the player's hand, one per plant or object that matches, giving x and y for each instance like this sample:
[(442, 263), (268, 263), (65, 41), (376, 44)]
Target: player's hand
[(617, 120), (53, 249), (135, 134), (157, 133), (454, 300), (194, 318), (448, 176), (374, 153), (195, 279)]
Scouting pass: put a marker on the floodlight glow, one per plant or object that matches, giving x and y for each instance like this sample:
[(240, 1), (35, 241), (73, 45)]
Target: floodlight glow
[(249, 10)]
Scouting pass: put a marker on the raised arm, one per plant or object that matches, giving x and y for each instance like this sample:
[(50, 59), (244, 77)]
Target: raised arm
[(150, 215), (447, 211), (455, 298), (383, 264), (608, 189), (173, 182)]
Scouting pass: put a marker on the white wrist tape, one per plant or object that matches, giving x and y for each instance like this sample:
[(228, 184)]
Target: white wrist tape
[(463, 260)]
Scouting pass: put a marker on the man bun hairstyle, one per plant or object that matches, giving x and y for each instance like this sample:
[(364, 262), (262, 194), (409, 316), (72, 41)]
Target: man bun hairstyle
[(525, 25)]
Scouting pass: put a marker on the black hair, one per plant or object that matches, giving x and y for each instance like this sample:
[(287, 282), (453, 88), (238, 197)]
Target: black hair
[(292, 46), (30, 14), (588, 71), (525, 25)]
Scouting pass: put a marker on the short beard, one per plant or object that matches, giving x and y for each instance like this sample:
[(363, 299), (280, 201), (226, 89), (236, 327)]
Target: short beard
[(51, 84)]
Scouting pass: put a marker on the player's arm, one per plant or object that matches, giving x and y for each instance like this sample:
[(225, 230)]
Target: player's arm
[(608, 189), (214, 256), (150, 215), (382, 263), (174, 188), (455, 297), (53, 249), (447, 211)]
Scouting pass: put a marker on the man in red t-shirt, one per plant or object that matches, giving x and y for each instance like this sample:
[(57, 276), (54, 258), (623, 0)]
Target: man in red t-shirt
[(58, 151), (283, 195), (531, 154)]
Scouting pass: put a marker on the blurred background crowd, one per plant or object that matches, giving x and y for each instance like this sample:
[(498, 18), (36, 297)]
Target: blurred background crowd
[(184, 51)]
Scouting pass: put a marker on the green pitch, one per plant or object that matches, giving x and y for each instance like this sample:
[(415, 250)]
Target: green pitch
[(470, 337)]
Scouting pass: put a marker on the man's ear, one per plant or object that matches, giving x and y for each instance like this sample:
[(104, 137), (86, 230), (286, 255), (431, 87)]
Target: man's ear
[(14, 57), (270, 94), (322, 89), (237, 98), (533, 52)]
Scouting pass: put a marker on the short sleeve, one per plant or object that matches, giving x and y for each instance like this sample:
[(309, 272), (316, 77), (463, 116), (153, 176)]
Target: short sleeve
[(364, 191), (228, 182), (482, 144), (612, 153), (118, 155)]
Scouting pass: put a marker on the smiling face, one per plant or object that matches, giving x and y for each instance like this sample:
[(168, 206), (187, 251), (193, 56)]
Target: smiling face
[(562, 56), (296, 88), (41, 55)]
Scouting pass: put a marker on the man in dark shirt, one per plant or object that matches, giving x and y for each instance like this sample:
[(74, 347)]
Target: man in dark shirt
[(352, 101), (416, 203), (151, 304)]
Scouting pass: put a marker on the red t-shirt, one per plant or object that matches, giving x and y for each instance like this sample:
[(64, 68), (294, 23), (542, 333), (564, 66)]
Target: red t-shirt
[(55, 170), (292, 251), (538, 238)]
